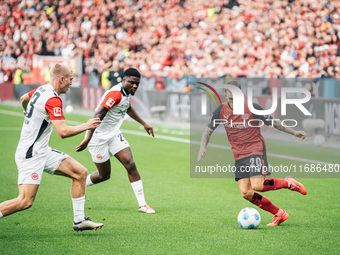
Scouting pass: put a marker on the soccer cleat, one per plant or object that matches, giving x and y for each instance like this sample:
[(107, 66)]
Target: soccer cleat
[(86, 224), (146, 209), (277, 220), (296, 186)]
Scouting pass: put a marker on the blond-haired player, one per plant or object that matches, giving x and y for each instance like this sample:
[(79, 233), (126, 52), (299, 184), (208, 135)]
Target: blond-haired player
[(43, 111)]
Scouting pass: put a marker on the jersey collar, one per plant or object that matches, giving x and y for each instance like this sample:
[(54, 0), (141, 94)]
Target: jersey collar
[(51, 86), (123, 91)]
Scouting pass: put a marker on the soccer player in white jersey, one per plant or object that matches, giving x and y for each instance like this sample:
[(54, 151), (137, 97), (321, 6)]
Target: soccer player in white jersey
[(107, 140), (43, 110)]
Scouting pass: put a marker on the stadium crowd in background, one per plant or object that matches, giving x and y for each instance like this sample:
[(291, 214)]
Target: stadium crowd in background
[(252, 38)]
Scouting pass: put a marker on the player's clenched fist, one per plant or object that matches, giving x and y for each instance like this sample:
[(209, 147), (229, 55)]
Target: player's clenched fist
[(149, 129), (93, 123), (300, 134), (82, 146)]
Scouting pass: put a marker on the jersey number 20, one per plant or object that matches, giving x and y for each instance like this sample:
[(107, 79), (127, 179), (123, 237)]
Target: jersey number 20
[(255, 162)]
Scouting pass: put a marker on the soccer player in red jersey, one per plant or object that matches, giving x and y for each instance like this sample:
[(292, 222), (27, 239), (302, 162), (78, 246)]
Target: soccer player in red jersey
[(249, 149), (43, 111)]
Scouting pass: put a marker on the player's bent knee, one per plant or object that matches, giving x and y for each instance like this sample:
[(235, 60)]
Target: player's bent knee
[(25, 203), (257, 187), (104, 176), (130, 165), (28, 205), (80, 173), (247, 195), (85, 172)]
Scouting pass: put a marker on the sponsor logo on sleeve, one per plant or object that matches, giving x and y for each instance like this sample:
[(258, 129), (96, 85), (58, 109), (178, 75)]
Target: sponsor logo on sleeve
[(57, 111), (110, 102)]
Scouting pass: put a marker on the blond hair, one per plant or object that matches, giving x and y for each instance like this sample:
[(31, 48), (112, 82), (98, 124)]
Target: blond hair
[(234, 83), (59, 70)]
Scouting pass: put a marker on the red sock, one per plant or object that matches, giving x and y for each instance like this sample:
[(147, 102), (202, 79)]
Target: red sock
[(264, 203), (274, 183)]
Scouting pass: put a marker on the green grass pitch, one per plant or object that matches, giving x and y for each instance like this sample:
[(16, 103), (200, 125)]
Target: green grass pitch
[(193, 216)]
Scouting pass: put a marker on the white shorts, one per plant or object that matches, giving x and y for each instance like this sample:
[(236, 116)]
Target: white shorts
[(30, 170), (101, 150)]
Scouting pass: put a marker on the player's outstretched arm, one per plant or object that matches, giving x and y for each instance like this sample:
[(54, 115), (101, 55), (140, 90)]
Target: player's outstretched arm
[(100, 113), (299, 134), (133, 114), (64, 130), (204, 142)]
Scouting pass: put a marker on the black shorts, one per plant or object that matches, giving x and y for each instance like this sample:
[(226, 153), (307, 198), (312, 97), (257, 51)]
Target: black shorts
[(251, 166)]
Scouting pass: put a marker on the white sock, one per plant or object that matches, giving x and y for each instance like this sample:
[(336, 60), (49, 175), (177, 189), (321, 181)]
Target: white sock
[(88, 181), (139, 193), (78, 208), (1, 215)]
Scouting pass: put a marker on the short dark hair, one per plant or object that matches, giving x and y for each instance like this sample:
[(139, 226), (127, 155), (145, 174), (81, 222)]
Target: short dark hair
[(132, 72)]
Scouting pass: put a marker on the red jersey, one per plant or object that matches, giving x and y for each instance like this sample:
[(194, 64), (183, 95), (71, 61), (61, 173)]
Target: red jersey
[(243, 131)]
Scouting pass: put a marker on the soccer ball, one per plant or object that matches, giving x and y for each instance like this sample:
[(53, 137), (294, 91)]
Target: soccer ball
[(319, 140), (69, 109), (249, 218)]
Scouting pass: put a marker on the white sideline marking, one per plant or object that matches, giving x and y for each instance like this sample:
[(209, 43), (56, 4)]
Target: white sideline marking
[(10, 128), (181, 140), (12, 113)]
